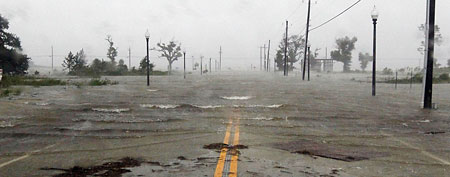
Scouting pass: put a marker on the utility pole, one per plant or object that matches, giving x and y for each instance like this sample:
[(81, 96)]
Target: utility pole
[(260, 58), (429, 56), (285, 50), (326, 57), (268, 57), (309, 62), (274, 65), (201, 65), (129, 58), (265, 58), (184, 64), (220, 59), (396, 79), (306, 39), (52, 59), (210, 71)]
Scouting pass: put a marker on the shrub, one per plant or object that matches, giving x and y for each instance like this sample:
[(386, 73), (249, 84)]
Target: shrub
[(444, 77), (8, 92), (100, 82)]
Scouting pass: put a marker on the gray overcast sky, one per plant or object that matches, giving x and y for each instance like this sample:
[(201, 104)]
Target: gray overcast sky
[(239, 26)]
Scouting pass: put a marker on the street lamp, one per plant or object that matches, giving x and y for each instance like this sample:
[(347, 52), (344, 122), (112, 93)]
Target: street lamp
[(147, 38), (309, 60), (374, 63), (184, 63)]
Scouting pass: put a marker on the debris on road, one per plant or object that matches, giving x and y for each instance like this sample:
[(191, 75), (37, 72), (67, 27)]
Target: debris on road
[(434, 132), (218, 146), (336, 152), (114, 169)]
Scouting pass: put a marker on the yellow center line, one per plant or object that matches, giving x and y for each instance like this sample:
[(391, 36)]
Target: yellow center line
[(432, 156), (234, 158), (223, 152), (26, 155)]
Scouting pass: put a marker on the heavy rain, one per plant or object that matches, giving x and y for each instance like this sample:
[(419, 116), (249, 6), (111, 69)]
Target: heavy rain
[(224, 88)]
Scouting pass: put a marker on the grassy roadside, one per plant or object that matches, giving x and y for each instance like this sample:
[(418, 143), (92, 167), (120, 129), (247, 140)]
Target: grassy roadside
[(9, 84), (418, 78), (8, 81)]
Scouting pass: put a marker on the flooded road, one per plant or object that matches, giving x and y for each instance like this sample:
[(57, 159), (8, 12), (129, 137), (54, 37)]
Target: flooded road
[(228, 124)]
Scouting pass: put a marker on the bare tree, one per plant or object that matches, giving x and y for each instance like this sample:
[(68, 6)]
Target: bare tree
[(112, 51), (171, 52)]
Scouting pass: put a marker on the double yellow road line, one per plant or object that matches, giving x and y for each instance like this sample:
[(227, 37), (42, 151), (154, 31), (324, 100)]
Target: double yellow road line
[(223, 162)]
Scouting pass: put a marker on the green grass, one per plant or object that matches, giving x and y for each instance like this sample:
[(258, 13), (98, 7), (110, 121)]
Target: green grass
[(8, 81), (10, 91), (100, 82), (418, 78), (159, 73)]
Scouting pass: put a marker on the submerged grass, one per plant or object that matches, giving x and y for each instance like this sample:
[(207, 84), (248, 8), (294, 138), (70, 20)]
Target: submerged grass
[(100, 82), (418, 78), (10, 91), (8, 81)]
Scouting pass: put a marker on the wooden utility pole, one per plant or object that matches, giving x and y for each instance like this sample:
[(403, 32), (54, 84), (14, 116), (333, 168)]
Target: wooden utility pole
[(52, 58), (306, 39), (184, 65), (129, 58), (201, 65), (285, 50), (193, 63), (429, 56), (265, 58), (220, 59), (396, 79), (268, 57), (260, 58)]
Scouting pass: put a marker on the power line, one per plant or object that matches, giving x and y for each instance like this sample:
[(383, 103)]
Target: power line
[(354, 4)]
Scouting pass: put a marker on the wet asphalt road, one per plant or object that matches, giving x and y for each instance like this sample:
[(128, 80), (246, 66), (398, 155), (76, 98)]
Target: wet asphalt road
[(66, 126)]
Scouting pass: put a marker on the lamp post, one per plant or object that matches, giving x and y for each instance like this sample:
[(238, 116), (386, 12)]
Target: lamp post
[(374, 63), (184, 64), (147, 37), (309, 61)]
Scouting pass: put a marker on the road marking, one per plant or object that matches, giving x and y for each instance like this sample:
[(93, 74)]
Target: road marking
[(223, 152), (234, 159), (426, 153), (25, 156)]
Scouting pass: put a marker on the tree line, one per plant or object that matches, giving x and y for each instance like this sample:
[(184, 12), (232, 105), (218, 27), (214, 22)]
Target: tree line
[(76, 64), (12, 59)]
